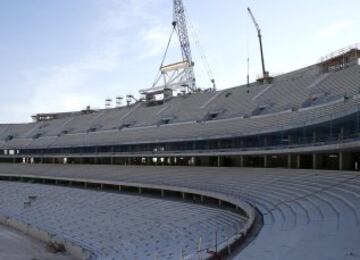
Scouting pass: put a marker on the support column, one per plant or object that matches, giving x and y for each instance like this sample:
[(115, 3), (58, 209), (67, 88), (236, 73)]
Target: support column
[(266, 163), (341, 161), (241, 161), (314, 161)]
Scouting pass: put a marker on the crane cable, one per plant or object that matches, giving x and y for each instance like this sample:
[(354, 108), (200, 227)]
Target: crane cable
[(167, 46), (203, 57), (165, 54)]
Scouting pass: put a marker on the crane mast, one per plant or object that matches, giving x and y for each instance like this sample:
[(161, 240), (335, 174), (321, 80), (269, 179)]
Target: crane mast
[(179, 23), (265, 73), (178, 76)]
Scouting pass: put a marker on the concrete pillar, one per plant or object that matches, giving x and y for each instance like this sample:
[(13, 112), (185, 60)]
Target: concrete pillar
[(218, 161), (241, 161), (289, 161), (341, 161), (111, 160), (266, 162), (314, 161)]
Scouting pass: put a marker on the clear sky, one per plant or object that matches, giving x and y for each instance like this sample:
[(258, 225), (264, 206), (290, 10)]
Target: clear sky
[(67, 54)]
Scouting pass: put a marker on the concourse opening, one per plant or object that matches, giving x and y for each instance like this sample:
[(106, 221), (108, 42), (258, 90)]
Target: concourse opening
[(305, 161), (277, 161), (329, 161), (254, 161)]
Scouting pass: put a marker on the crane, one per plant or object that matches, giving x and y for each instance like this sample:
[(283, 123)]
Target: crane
[(179, 22), (265, 73), (178, 76)]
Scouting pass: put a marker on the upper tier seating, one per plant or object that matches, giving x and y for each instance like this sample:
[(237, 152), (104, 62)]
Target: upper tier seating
[(292, 99)]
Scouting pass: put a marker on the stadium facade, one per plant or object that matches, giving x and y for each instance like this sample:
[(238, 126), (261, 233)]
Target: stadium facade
[(308, 118)]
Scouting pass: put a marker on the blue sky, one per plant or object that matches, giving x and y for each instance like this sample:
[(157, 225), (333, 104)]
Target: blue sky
[(67, 54)]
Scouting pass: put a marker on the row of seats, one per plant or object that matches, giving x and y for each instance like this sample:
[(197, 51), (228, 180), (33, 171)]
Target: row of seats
[(117, 226), (304, 211)]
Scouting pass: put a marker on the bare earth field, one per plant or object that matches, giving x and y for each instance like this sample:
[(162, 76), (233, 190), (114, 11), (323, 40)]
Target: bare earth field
[(15, 245)]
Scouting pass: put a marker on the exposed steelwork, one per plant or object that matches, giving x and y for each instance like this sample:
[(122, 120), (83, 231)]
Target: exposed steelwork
[(178, 76)]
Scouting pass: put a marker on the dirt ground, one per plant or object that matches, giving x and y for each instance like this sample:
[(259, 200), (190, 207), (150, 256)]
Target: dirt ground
[(15, 245)]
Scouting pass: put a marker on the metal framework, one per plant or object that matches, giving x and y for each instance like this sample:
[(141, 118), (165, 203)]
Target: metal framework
[(182, 31), (178, 76)]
